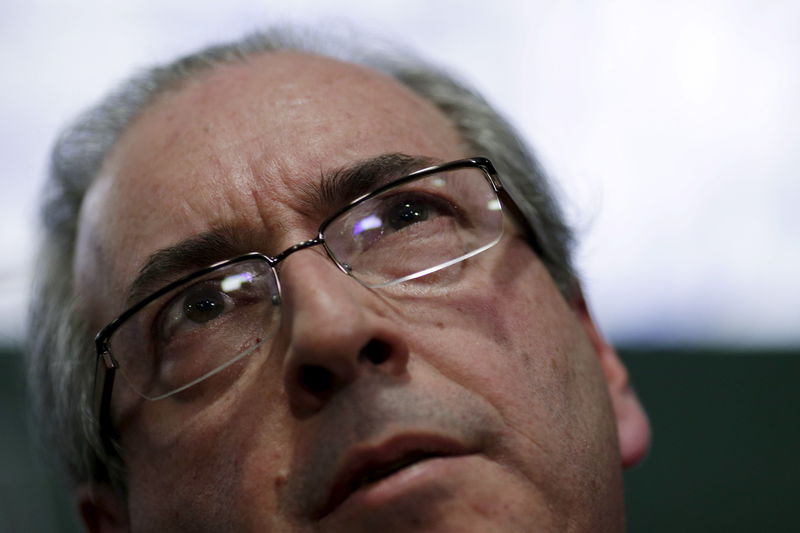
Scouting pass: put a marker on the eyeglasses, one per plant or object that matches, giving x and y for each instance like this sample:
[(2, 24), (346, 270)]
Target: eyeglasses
[(203, 323)]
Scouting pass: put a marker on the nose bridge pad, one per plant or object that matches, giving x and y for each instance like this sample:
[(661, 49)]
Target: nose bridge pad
[(310, 243)]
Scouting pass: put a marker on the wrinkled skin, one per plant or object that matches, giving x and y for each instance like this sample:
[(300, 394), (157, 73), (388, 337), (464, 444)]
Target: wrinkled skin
[(492, 359)]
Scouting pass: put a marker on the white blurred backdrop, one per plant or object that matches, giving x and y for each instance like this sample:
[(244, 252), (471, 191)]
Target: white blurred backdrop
[(671, 129)]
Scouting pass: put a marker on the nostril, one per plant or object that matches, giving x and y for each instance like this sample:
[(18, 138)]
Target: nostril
[(376, 352), (316, 379)]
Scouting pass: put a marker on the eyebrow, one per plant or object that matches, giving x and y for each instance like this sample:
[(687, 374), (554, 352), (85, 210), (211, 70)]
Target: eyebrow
[(335, 188), (338, 187), (168, 264)]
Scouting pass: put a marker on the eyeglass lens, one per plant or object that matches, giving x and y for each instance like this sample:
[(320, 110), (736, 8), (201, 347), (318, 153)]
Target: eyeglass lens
[(405, 232)]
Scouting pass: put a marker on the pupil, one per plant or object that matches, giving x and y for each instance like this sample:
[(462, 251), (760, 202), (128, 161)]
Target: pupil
[(203, 309), (407, 213)]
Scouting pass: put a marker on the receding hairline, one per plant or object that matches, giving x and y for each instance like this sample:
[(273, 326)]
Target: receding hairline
[(240, 68), (243, 67)]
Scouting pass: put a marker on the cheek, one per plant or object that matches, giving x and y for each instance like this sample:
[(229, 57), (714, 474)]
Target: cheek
[(522, 361), (507, 332), (514, 341), (510, 337), (215, 466)]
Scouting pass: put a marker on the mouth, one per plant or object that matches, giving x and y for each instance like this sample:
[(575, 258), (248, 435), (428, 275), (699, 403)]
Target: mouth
[(367, 467), (382, 471)]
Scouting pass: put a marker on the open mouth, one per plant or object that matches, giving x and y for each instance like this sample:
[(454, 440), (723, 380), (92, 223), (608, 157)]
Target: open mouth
[(367, 467), (379, 472)]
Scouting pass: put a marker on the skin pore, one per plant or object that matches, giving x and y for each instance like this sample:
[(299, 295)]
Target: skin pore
[(486, 360)]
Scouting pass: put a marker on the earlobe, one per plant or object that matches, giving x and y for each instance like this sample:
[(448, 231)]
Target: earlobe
[(102, 510), (633, 427)]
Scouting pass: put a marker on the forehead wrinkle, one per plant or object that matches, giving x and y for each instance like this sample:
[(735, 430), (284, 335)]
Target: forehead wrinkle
[(273, 223), (238, 202), (275, 206)]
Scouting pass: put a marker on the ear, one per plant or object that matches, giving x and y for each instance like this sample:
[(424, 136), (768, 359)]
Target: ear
[(633, 427), (102, 510)]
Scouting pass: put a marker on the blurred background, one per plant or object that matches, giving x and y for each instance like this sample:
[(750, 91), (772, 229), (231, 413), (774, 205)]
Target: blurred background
[(670, 130)]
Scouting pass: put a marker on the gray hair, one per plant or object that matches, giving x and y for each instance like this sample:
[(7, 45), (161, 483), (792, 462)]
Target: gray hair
[(61, 351)]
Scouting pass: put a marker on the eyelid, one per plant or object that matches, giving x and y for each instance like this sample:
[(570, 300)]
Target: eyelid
[(170, 318), (442, 199), (241, 290), (442, 205), (175, 304)]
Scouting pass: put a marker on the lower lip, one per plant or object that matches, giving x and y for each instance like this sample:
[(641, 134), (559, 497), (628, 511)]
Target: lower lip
[(404, 482)]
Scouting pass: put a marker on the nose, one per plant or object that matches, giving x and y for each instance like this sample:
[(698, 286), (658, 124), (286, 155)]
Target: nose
[(337, 332)]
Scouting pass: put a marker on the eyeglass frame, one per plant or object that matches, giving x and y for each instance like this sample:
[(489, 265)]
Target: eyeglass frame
[(105, 374)]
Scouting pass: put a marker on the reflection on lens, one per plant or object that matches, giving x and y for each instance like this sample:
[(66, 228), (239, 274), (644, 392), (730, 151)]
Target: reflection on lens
[(213, 320), (416, 227), (367, 223)]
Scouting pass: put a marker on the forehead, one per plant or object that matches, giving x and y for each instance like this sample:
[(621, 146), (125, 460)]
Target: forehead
[(235, 147)]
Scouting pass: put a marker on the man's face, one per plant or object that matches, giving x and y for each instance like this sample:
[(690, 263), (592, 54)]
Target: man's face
[(478, 402)]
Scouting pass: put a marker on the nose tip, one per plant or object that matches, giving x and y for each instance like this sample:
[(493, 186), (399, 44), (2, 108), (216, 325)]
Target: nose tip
[(337, 334), (312, 384)]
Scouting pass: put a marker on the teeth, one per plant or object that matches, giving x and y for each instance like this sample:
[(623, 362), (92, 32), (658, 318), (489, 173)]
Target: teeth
[(388, 469)]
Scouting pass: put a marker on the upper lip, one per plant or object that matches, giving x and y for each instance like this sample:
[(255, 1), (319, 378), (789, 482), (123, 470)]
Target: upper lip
[(367, 464)]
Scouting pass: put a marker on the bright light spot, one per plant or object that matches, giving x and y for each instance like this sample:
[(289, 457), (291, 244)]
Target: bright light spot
[(235, 282), (493, 205), (438, 181), (370, 222)]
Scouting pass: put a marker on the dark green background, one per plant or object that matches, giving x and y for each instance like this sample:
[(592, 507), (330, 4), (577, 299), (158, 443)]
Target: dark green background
[(725, 455)]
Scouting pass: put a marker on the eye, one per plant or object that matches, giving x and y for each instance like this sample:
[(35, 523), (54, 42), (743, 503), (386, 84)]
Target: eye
[(405, 210), (408, 212), (197, 307), (203, 305), (414, 215)]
